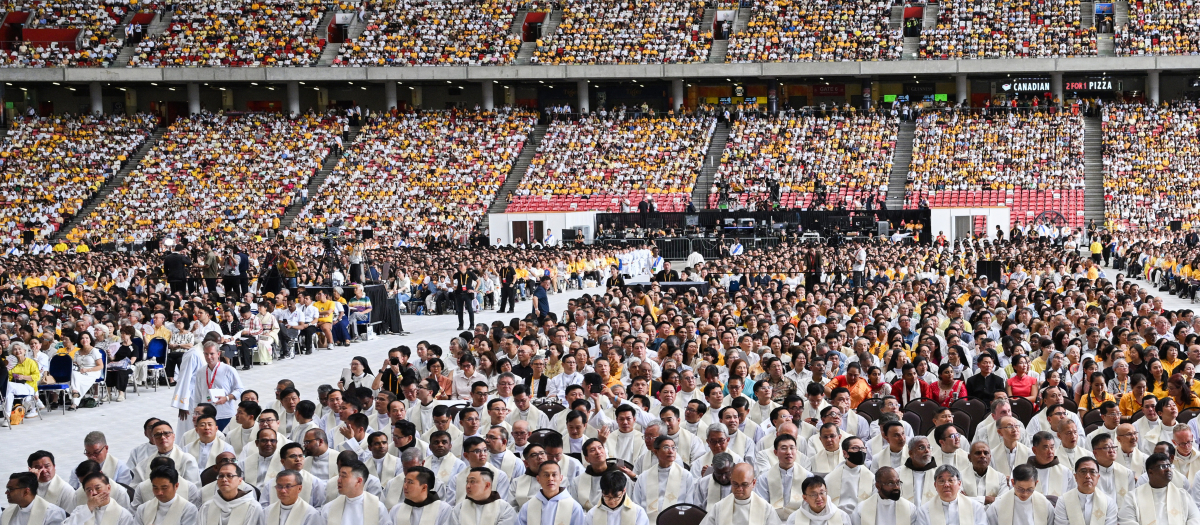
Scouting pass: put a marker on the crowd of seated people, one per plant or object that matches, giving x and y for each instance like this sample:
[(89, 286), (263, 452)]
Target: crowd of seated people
[(999, 29), (817, 31), (98, 23), (849, 154), (422, 33), (1149, 156), (215, 173), (422, 175), (237, 34), (601, 158), (1159, 28), (1032, 160), (611, 32), (51, 166)]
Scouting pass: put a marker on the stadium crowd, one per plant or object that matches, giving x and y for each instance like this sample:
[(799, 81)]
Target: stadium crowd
[(873, 383), (847, 152), (611, 32), (1159, 28), (817, 31), (236, 34), (53, 165), (1146, 149), (96, 21), (603, 156), (419, 33), (233, 174), (995, 29), (431, 174)]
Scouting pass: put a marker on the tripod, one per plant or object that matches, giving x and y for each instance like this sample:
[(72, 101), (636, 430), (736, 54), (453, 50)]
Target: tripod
[(331, 257)]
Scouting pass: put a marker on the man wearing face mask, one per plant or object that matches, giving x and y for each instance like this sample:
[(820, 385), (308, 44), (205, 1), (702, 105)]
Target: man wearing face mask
[(1023, 505), (850, 481), (742, 505), (885, 507), (615, 507), (715, 486)]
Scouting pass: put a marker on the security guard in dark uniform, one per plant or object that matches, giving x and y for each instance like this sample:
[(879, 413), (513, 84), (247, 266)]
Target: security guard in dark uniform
[(464, 291), (615, 280), (508, 290)]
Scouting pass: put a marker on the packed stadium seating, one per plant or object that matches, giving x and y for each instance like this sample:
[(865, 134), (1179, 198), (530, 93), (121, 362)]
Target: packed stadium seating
[(52, 165), (814, 30), (612, 32), (589, 163), (1149, 157), (420, 33), (97, 20), (1160, 28), (851, 154), (1030, 161), (237, 34), (216, 173), (1000, 29), (430, 173)]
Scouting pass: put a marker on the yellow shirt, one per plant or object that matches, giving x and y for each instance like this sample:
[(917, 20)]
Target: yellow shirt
[(324, 311)]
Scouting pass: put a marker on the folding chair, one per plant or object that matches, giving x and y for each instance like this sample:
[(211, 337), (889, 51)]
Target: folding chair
[(157, 350)]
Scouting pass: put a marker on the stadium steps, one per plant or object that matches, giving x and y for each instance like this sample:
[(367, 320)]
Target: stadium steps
[(329, 53), (318, 180), (552, 22), (526, 53), (897, 19), (123, 58), (706, 23), (716, 55), (712, 161), (518, 170), (912, 44), (1093, 169), (115, 182), (1105, 46), (901, 159), (161, 23), (518, 22), (1120, 13), (930, 19), (1087, 14), (743, 18), (323, 25)]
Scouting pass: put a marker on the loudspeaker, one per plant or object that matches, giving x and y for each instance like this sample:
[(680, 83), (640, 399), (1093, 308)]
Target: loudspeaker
[(1176, 226), (884, 228), (989, 269)]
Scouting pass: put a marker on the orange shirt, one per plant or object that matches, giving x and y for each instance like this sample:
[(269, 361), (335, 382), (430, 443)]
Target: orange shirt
[(858, 391)]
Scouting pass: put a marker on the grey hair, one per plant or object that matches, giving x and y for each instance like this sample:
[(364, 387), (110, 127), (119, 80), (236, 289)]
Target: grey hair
[(507, 375), (94, 438), (653, 423), (210, 344), (295, 475), (947, 469), (717, 427), (722, 460), (503, 433), (411, 454), (912, 443)]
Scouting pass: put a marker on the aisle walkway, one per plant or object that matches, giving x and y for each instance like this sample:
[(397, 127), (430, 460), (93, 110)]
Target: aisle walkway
[(122, 422)]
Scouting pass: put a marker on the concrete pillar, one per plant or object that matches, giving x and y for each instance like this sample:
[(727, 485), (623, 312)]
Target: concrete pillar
[(416, 96), (677, 93), (193, 98), (1152, 86), (488, 88), (389, 96), (97, 98), (1056, 85), (584, 104), (293, 89), (961, 88)]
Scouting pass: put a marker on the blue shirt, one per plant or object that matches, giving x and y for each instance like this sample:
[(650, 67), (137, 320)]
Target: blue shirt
[(543, 301)]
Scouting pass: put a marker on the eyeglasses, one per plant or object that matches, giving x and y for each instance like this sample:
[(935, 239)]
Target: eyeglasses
[(1088, 472), (163, 434), (287, 487), (227, 477), (267, 420)]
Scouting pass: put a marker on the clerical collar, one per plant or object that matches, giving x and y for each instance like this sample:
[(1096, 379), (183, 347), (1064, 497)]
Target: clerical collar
[(430, 498), (980, 474), (491, 497), (928, 466), (1033, 462), (240, 493), (548, 498), (591, 471)]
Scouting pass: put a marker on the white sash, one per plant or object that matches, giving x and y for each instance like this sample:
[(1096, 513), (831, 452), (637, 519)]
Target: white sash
[(443, 471), (1054, 482), (428, 516), (966, 513), (295, 517), (714, 493), (1075, 510), (1148, 511), (928, 492), (1006, 502), (218, 446), (338, 506), (252, 461), (487, 513), (833, 483), (625, 445), (824, 461), (112, 513), (759, 508), (54, 490), (306, 485), (237, 441), (109, 468), (584, 491), (1121, 481), (851, 419), (150, 511), (775, 486), (627, 511), (460, 482), (992, 481), (389, 465), (176, 455), (835, 518), (904, 511), (525, 487), (37, 512), (674, 489), (562, 513), (508, 463)]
